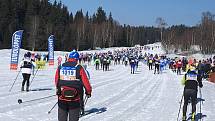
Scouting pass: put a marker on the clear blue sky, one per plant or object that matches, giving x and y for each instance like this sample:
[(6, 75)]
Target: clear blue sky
[(145, 12)]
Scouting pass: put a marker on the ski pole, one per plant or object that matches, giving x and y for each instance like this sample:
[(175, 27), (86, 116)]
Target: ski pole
[(200, 93), (34, 76), (83, 105), (20, 100), (85, 100), (15, 80), (52, 108), (180, 107)]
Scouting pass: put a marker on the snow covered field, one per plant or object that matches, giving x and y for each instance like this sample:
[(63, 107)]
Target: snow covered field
[(117, 95)]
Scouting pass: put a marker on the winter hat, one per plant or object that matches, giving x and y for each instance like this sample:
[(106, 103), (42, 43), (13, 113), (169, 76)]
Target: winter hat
[(74, 54), (28, 54)]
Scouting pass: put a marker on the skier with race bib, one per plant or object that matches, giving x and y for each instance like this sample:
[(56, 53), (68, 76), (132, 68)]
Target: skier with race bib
[(191, 81), (70, 79), (26, 65)]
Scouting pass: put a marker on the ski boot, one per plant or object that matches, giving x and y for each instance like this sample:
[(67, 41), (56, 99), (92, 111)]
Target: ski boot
[(82, 111), (193, 116), (27, 88), (22, 89)]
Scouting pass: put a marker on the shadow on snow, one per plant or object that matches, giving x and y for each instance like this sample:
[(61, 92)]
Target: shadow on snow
[(41, 89), (95, 110)]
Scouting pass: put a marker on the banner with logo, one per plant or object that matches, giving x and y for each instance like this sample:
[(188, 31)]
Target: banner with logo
[(16, 44), (51, 50)]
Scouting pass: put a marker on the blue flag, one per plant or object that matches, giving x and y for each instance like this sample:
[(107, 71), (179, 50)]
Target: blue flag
[(51, 50), (16, 43)]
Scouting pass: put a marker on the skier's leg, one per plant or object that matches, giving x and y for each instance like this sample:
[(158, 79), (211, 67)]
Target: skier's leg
[(158, 68), (131, 69), (103, 67), (186, 98), (62, 114), (27, 79), (179, 71), (194, 101), (23, 82), (74, 114), (82, 104), (150, 66), (155, 69), (106, 67), (97, 66)]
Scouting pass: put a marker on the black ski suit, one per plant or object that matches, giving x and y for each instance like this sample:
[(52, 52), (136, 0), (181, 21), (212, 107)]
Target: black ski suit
[(26, 66), (192, 81)]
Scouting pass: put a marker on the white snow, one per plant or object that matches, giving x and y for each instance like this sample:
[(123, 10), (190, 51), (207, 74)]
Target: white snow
[(117, 95)]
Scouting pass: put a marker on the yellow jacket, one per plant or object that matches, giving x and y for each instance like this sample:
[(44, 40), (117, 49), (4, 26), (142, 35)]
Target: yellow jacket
[(183, 80)]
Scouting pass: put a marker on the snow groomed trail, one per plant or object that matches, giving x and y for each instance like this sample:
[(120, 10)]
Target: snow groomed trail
[(117, 96), (141, 96)]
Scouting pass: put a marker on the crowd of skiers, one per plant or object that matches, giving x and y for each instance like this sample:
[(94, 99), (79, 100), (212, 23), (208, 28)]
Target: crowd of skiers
[(103, 60), (125, 57), (204, 66), (179, 65)]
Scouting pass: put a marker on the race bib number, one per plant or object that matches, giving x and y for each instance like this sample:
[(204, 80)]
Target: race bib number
[(67, 73), (192, 77)]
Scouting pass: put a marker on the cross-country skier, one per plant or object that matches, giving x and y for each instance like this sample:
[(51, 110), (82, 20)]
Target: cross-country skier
[(26, 65), (126, 61), (157, 65), (191, 81), (59, 60), (97, 63), (70, 79), (179, 66), (150, 62), (132, 64)]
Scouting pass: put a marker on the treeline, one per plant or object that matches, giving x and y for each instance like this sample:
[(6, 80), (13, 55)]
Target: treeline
[(183, 38), (39, 19)]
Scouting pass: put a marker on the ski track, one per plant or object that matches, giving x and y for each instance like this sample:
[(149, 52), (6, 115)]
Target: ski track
[(15, 105), (113, 79), (208, 103), (141, 94), (119, 95), (128, 90), (10, 94), (163, 99)]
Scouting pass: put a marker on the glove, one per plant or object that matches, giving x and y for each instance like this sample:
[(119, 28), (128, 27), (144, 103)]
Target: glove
[(88, 95), (58, 92), (200, 85)]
